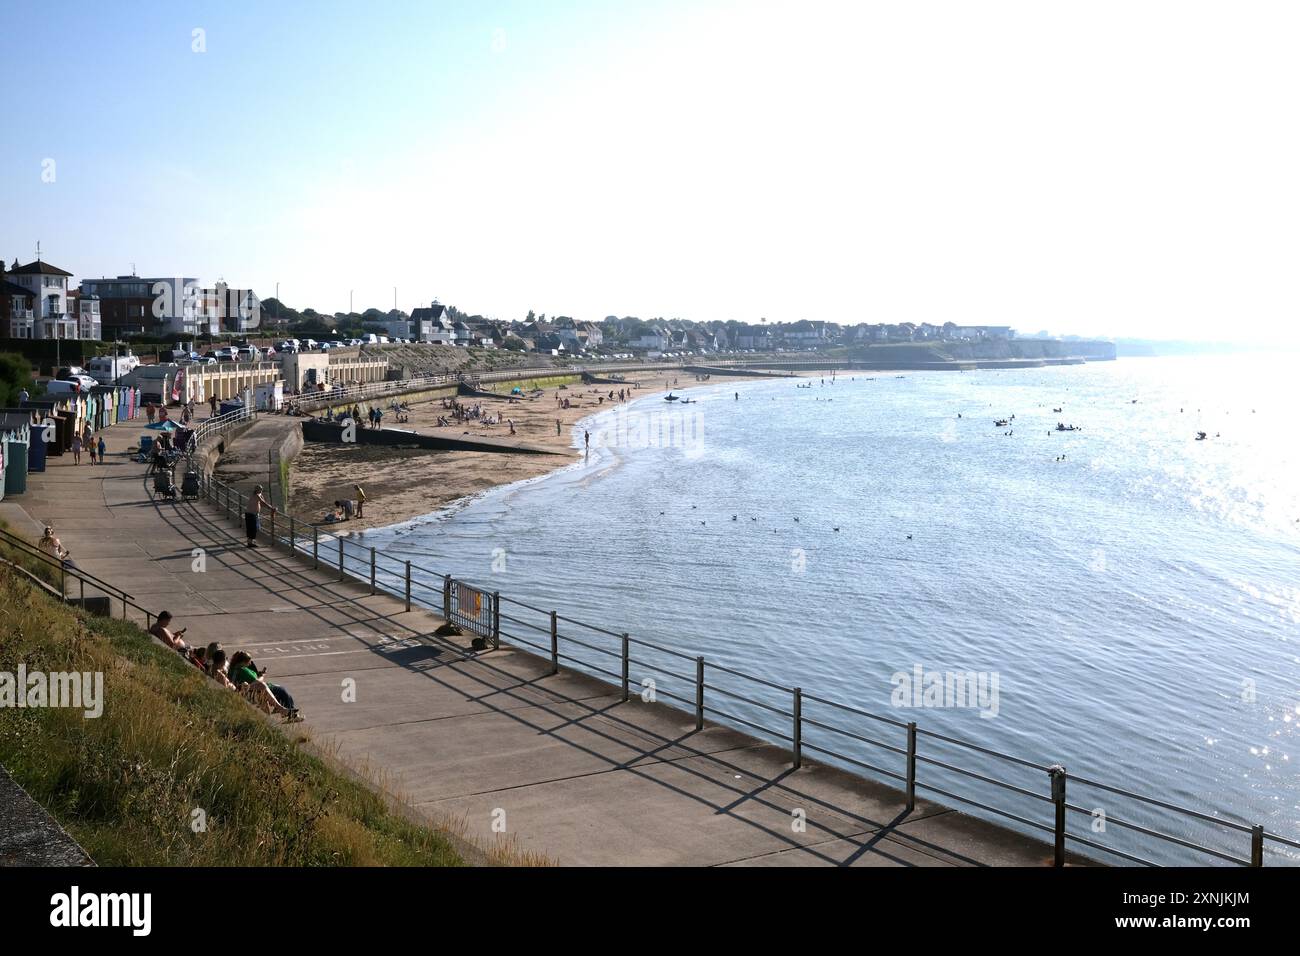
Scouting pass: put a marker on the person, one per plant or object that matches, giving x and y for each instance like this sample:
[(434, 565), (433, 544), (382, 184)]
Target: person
[(345, 505), (361, 500), (557, 426), (272, 698), (586, 440), (102, 448), (90, 449), (76, 449), (162, 630), (511, 422), (150, 411), (212, 405), (23, 397), (253, 515), (217, 664), (52, 545)]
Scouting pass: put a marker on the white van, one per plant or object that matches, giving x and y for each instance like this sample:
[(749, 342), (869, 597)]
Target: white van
[(59, 387)]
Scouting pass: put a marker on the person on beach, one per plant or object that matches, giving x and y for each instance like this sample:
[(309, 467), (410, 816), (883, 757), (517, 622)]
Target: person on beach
[(557, 426), (361, 500), (212, 405), (253, 515), (76, 449), (149, 410), (90, 450), (102, 448), (345, 506)]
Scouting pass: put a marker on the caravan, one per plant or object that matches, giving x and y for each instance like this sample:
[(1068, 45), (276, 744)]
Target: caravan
[(108, 368)]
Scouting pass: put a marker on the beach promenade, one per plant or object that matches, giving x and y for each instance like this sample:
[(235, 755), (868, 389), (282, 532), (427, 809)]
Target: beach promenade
[(558, 764)]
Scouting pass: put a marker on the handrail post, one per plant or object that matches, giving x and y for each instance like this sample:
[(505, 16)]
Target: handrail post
[(699, 693), (315, 547), (496, 620), (341, 575), (555, 644), (446, 598), (372, 570), (911, 766), (408, 585), (293, 534), (1057, 772), (272, 527), (798, 728), (1257, 845), (626, 664), (63, 580), (83, 593)]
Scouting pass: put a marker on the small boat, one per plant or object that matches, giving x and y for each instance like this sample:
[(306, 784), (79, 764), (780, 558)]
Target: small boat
[(1056, 410), (1200, 436), (670, 397), (1002, 423), (1066, 428)]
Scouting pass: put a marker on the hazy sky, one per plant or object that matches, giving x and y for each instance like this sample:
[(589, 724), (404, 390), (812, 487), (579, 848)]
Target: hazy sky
[(1122, 168)]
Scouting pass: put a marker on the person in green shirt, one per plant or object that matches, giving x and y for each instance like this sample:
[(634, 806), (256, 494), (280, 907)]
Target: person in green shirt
[(272, 698)]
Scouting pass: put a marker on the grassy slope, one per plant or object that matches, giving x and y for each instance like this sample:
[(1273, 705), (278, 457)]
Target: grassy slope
[(169, 742)]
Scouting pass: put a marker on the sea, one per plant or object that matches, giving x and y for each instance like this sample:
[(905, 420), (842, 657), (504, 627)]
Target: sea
[(1121, 599)]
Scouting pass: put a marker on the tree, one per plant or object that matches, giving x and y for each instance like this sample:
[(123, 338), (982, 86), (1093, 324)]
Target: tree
[(15, 375)]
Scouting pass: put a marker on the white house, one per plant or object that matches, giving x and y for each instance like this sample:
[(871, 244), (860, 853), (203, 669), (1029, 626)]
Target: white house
[(48, 287)]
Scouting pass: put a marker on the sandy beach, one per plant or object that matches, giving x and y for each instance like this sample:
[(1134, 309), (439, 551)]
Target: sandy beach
[(404, 483)]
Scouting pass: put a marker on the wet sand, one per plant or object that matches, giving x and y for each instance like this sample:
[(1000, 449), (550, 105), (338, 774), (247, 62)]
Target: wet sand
[(404, 483)]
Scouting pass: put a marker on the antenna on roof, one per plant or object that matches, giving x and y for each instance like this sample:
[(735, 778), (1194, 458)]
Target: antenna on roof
[(38, 250)]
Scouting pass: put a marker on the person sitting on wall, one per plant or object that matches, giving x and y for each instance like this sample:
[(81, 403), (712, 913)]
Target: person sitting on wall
[(52, 545), (162, 630)]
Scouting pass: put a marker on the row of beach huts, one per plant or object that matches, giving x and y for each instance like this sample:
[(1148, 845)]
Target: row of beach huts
[(43, 428)]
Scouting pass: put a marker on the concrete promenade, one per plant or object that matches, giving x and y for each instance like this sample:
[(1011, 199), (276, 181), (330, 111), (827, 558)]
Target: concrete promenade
[(568, 770)]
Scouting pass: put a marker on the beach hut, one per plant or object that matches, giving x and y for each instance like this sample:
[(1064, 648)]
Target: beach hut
[(36, 436), (15, 436)]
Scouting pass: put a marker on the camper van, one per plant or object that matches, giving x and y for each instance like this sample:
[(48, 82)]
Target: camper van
[(107, 368)]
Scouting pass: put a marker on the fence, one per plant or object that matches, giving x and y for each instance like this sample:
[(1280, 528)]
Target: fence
[(901, 752)]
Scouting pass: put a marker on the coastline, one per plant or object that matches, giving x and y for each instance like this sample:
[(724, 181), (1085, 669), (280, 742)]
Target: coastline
[(404, 485)]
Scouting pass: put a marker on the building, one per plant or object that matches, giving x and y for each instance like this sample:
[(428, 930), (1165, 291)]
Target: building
[(85, 308), (223, 309), (132, 304), (47, 286), (16, 311), (432, 324)]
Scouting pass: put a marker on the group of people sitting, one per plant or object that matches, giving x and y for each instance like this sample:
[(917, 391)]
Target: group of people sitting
[(237, 672)]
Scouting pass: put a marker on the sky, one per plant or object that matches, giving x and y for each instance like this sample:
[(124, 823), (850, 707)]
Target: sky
[(1118, 169)]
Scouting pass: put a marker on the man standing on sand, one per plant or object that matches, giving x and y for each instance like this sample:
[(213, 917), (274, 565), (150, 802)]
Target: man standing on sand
[(212, 405), (253, 515), (361, 500), (557, 426)]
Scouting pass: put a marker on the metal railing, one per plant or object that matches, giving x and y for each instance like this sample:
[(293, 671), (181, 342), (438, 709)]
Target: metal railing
[(70, 572), (900, 752)]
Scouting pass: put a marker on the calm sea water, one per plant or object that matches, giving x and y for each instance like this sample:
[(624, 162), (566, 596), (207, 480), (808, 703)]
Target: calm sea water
[(1137, 602)]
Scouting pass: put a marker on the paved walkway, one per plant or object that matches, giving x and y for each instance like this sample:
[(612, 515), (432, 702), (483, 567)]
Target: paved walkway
[(558, 761)]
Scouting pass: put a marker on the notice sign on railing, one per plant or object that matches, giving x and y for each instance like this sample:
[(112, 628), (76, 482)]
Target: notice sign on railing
[(471, 609)]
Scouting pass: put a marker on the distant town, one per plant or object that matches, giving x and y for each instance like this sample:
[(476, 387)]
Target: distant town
[(38, 301)]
